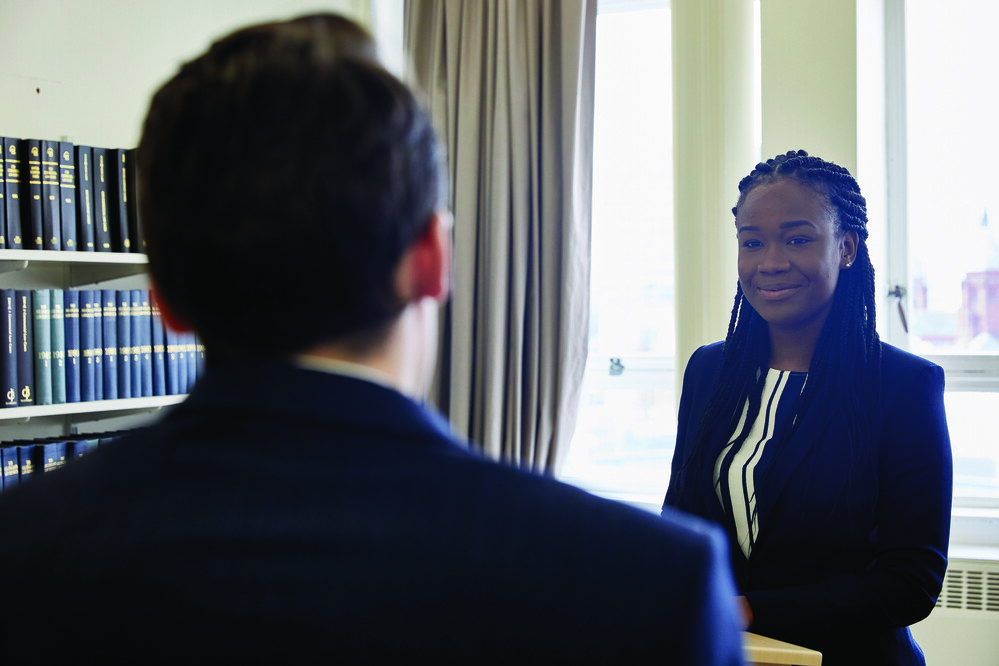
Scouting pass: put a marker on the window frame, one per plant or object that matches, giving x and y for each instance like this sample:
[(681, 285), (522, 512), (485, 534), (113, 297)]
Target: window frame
[(975, 518)]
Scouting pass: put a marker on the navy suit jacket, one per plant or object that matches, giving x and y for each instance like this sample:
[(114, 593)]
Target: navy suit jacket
[(841, 564), (284, 512)]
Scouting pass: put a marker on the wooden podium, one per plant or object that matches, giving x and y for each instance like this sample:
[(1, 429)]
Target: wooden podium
[(763, 651)]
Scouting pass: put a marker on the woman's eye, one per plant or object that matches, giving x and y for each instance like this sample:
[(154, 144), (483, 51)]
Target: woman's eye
[(799, 241), (751, 244)]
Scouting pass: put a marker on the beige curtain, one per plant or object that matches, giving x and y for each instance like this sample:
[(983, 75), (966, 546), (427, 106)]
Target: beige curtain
[(510, 86)]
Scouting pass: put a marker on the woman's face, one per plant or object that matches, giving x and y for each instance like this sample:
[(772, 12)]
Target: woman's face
[(790, 255)]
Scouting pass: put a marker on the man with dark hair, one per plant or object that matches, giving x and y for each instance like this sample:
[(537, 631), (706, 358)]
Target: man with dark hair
[(303, 503)]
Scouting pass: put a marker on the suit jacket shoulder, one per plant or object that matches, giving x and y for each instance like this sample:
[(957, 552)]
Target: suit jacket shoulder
[(284, 511)]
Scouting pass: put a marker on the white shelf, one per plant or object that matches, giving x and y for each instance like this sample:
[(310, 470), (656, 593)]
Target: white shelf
[(79, 268), (97, 407), (24, 257)]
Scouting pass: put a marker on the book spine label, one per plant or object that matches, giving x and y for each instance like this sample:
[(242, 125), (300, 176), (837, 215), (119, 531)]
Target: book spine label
[(85, 198), (159, 350), (58, 348), (103, 199), (109, 343), (33, 148), (67, 195), (124, 299), (51, 208), (8, 338), (13, 192), (71, 319)]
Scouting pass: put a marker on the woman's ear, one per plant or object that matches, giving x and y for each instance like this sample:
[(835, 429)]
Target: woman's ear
[(848, 249), (173, 322)]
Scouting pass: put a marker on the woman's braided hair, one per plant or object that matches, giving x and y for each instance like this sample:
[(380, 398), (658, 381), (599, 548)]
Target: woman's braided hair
[(845, 369)]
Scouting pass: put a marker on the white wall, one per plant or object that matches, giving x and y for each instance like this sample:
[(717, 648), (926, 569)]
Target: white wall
[(85, 69)]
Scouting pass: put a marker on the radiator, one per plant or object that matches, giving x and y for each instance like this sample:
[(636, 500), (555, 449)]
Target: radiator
[(963, 629)]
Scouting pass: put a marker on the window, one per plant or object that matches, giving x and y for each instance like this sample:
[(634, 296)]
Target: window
[(951, 181), (942, 244), (626, 431)]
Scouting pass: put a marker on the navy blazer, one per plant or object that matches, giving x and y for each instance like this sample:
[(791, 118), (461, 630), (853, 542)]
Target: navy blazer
[(841, 564), (287, 513)]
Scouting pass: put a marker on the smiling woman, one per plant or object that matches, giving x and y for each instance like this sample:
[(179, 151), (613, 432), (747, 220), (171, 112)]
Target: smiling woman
[(822, 452), (791, 251)]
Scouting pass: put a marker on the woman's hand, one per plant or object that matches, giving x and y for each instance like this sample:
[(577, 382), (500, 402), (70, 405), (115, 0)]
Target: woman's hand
[(747, 612)]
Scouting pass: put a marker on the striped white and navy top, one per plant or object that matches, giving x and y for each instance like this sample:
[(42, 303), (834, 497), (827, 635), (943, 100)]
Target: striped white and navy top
[(736, 472)]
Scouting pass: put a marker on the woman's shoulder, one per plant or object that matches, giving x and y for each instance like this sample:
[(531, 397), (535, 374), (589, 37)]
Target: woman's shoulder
[(903, 367), (709, 353)]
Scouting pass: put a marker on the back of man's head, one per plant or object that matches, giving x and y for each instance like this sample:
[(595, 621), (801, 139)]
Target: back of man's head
[(282, 175)]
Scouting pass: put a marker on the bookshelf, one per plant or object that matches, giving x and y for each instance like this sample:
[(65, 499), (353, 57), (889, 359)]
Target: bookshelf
[(50, 269)]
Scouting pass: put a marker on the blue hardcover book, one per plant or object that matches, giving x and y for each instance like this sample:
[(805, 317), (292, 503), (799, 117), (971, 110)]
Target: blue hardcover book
[(8, 353), (32, 218), (71, 318), (50, 456), (124, 300), (58, 345), (191, 354), (145, 344), (104, 205), (159, 349), (173, 361), (25, 461), (51, 206), (67, 194), (89, 322), (41, 322), (121, 235), (135, 334), (78, 448), (201, 357), (109, 343), (3, 207), (98, 345), (85, 198), (9, 467), (134, 228), (14, 191), (25, 349)]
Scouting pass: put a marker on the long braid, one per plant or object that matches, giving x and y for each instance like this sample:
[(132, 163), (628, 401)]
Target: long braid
[(846, 364)]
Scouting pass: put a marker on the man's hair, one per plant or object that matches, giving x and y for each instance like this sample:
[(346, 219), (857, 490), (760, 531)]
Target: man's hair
[(282, 175)]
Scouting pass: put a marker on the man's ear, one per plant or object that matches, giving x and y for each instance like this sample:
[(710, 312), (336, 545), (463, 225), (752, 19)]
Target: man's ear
[(425, 268), (173, 322)]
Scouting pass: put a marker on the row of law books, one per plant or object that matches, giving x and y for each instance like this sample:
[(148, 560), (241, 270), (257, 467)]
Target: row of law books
[(78, 345), (60, 196), (21, 460)]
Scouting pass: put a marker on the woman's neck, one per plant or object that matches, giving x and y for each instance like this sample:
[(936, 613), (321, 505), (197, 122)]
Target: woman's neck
[(791, 351)]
